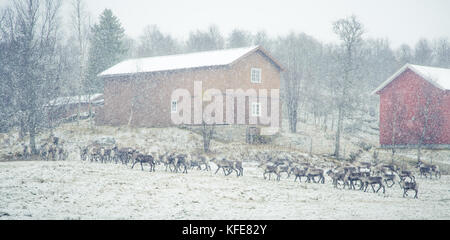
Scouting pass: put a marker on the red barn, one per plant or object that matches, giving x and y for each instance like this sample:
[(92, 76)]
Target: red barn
[(415, 108), (139, 92)]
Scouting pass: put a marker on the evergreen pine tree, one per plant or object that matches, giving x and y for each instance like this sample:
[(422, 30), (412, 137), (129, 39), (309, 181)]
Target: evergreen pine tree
[(107, 48)]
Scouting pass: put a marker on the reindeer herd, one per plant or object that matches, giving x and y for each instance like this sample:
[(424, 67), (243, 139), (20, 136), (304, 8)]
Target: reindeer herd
[(356, 176), (353, 176), (175, 161), (51, 149)]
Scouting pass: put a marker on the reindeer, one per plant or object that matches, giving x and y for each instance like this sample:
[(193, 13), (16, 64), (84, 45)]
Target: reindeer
[(172, 160), (103, 154), (237, 166), (336, 177), (298, 172), (48, 151), (270, 169), (124, 154), (372, 181), (26, 152), (204, 160), (406, 174), (428, 169), (143, 158), (392, 178), (113, 154), (406, 186), (195, 163), (424, 170), (83, 153), (182, 160), (62, 153), (286, 167), (198, 161), (166, 159), (363, 168), (224, 165), (311, 173), (95, 153), (353, 177)]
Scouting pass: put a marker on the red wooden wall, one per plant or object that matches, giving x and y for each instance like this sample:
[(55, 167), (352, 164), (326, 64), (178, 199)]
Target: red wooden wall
[(403, 111)]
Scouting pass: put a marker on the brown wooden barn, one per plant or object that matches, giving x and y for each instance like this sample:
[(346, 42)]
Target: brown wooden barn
[(139, 92), (415, 107)]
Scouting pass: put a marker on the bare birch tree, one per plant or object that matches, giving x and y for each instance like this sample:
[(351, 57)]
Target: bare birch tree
[(428, 119), (350, 31), (397, 111), (32, 30), (80, 24)]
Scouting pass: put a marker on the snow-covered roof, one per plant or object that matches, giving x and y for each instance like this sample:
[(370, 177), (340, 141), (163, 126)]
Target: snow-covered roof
[(439, 77), (182, 61), (94, 99)]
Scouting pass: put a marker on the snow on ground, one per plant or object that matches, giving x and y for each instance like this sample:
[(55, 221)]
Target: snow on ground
[(81, 190), (84, 190)]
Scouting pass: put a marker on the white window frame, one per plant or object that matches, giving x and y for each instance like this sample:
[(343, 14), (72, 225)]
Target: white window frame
[(172, 104), (259, 71), (256, 106)]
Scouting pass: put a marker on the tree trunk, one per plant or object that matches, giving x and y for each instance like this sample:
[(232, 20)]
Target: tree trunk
[(419, 152), (338, 132), (393, 153), (293, 122), (332, 122), (22, 130), (32, 132)]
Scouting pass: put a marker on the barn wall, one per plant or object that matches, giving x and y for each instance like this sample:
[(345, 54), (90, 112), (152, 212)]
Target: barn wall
[(150, 94), (445, 109), (404, 100)]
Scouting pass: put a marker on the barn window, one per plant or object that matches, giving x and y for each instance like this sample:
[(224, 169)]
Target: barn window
[(256, 109), (174, 106), (256, 75)]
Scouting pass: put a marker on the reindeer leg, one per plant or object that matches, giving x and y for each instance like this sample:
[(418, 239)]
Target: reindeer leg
[(372, 187), (231, 170), (379, 187)]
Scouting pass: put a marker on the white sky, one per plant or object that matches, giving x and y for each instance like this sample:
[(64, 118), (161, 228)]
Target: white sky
[(401, 21)]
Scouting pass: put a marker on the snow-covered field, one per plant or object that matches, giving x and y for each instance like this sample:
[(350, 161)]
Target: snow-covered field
[(83, 190)]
